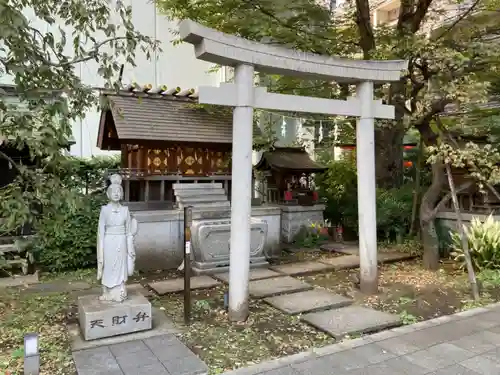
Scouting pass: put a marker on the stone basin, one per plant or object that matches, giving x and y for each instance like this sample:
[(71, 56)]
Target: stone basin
[(210, 241)]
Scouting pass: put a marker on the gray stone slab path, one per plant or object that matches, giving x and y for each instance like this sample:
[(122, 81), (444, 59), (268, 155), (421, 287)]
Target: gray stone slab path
[(302, 268), (254, 274), (177, 285), (276, 286), (308, 301), (466, 343), (351, 320), (160, 355)]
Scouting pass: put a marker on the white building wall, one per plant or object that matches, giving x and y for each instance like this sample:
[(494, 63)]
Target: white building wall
[(174, 66)]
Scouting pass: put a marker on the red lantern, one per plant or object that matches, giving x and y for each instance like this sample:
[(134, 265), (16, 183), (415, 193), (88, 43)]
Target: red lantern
[(408, 164), (315, 195), (288, 195)]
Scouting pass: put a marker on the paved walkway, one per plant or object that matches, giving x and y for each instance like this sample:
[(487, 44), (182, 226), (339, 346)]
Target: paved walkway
[(159, 355), (467, 343)]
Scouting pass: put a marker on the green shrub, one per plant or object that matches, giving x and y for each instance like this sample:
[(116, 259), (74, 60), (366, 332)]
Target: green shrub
[(339, 186), (65, 238), (68, 240), (394, 211), (484, 244)]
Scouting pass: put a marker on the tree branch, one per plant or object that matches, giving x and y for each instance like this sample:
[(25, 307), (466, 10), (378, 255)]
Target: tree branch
[(10, 160), (363, 20), (448, 196), (459, 19)]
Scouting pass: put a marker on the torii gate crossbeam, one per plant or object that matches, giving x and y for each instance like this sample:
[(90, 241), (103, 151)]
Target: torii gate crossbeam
[(247, 57)]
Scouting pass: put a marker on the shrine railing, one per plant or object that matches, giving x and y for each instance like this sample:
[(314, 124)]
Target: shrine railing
[(151, 190)]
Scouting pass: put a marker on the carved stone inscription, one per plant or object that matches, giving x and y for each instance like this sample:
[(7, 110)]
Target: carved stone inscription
[(103, 319)]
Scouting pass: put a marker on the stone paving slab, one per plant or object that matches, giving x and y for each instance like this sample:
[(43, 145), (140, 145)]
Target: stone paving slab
[(389, 352), (19, 280), (255, 274), (342, 262), (302, 268), (351, 320), (275, 286), (58, 286), (308, 301), (177, 285), (344, 248), (161, 355)]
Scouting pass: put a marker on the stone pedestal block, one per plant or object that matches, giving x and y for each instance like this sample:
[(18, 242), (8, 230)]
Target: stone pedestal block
[(104, 319), (293, 218)]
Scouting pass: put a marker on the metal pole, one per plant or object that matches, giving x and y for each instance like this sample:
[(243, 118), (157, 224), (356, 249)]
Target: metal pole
[(188, 218)]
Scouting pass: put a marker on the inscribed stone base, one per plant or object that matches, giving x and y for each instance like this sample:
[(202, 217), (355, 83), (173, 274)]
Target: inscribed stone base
[(104, 319)]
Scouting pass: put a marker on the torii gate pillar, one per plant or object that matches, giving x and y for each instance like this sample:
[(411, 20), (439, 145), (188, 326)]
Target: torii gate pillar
[(247, 56), (241, 193), (367, 215)]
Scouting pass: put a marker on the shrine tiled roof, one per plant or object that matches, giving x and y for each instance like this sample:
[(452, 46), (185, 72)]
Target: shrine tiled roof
[(145, 114), (290, 159)]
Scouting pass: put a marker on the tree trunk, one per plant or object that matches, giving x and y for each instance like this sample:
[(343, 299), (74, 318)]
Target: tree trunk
[(430, 242), (416, 189), (389, 155), (427, 216)]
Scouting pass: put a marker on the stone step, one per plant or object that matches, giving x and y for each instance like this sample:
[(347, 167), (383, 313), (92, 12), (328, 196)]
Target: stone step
[(276, 286), (177, 285), (255, 274), (302, 268), (215, 205), (198, 186), (308, 301), (203, 199), (197, 192), (351, 320)]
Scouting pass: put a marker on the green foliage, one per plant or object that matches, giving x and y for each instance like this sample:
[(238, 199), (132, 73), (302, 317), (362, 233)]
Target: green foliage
[(489, 278), (311, 236), (394, 211), (43, 41), (339, 186), (407, 318), (66, 239), (484, 244)]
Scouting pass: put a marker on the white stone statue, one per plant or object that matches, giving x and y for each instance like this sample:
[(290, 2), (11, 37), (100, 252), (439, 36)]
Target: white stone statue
[(115, 244)]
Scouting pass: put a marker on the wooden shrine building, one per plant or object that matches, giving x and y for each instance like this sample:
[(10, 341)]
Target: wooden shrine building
[(164, 137), (288, 176)]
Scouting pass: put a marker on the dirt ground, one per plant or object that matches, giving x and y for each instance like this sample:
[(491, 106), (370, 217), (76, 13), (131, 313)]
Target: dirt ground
[(405, 289)]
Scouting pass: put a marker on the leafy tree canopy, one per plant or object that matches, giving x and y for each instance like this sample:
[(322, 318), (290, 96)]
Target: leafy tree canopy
[(42, 42)]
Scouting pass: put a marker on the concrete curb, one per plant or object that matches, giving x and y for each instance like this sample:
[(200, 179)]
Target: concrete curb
[(365, 340)]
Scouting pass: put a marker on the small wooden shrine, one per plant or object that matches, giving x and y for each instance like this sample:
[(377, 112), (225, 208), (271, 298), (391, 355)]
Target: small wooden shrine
[(164, 138), (287, 175), (471, 198)]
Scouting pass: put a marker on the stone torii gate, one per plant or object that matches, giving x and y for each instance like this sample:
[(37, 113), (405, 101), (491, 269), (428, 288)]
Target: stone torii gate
[(247, 57)]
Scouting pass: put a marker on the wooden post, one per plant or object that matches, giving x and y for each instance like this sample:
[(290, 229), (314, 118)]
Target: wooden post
[(146, 190), (162, 190), (188, 217)]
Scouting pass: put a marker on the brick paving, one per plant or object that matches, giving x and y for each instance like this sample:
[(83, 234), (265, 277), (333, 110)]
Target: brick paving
[(466, 343), (159, 355)]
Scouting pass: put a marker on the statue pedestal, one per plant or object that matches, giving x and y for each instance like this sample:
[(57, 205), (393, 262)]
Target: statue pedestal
[(104, 319)]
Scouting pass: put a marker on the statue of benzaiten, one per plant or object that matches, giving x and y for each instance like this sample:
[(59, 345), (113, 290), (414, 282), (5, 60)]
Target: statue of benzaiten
[(115, 244)]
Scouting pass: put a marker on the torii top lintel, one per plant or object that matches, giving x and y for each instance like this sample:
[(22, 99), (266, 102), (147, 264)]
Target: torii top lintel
[(229, 50)]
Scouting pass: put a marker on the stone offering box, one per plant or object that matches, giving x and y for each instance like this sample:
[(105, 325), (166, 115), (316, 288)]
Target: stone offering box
[(104, 319), (210, 240)]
